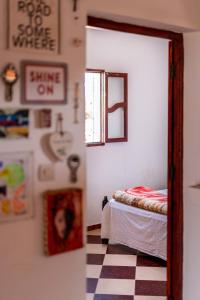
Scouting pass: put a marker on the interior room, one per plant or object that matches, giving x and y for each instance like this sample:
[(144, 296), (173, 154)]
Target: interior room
[(116, 162), (46, 170)]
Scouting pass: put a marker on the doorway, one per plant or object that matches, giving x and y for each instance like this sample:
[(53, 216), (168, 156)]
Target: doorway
[(175, 147)]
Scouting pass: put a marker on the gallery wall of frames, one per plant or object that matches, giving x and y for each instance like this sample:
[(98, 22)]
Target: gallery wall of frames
[(41, 163)]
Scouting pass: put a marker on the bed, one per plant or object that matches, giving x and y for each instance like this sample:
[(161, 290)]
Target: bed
[(136, 228)]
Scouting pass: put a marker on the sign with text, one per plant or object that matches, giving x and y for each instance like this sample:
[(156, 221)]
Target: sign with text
[(34, 25), (44, 83)]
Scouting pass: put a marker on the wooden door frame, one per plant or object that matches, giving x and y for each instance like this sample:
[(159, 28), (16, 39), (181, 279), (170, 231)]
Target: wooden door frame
[(175, 147)]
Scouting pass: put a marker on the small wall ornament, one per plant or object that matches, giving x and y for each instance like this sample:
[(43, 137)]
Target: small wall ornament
[(77, 43), (10, 77), (46, 172), (60, 142), (73, 163), (75, 5), (76, 102), (43, 118)]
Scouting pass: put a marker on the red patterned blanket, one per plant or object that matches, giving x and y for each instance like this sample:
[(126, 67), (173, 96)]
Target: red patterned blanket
[(144, 198)]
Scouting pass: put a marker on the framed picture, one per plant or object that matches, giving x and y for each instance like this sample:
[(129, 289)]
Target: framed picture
[(34, 26), (14, 123), (44, 82), (63, 220), (16, 201)]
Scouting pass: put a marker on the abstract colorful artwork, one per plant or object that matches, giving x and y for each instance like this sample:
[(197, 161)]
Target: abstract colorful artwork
[(15, 186), (63, 220), (14, 123)]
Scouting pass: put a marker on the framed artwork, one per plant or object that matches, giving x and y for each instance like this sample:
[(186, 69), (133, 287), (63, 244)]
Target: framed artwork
[(63, 220), (14, 123), (16, 201), (34, 26), (44, 83), (44, 118)]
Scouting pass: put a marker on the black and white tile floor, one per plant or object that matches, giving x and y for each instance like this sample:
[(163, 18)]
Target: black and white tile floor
[(116, 272)]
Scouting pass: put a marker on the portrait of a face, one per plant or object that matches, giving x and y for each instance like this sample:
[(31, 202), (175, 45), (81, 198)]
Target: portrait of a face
[(60, 223), (63, 222), (63, 229)]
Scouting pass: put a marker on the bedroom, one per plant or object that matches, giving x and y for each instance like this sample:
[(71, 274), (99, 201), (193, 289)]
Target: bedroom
[(139, 161)]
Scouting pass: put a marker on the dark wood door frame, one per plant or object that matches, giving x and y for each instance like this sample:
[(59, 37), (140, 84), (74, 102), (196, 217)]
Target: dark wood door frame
[(175, 147)]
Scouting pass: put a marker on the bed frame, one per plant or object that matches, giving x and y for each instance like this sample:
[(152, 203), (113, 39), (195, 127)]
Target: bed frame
[(104, 202)]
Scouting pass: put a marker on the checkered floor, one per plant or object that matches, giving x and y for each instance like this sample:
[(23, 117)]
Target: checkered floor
[(116, 272)]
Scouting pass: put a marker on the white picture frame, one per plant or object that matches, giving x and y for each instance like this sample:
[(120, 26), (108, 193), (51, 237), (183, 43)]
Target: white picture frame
[(16, 186), (43, 82)]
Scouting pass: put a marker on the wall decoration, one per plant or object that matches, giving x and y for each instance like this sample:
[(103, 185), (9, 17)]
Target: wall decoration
[(46, 172), (60, 142), (73, 163), (56, 145), (43, 118), (44, 83), (14, 123), (44, 143), (10, 77), (75, 5), (77, 43), (15, 186), (34, 26), (63, 221), (76, 102)]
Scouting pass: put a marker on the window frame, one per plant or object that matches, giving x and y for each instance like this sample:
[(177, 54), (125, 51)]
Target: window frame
[(123, 105), (102, 105)]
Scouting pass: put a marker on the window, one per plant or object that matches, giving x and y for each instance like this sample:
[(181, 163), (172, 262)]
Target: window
[(94, 107), (110, 110), (116, 115)]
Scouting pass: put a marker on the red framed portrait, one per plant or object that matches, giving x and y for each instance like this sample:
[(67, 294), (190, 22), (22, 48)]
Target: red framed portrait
[(63, 221)]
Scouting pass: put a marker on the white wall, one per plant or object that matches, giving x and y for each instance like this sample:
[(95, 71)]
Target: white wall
[(191, 167), (143, 159), (25, 273), (172, 14)]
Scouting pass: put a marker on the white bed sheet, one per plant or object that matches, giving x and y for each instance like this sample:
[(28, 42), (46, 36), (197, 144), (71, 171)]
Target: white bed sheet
[(137, 228)]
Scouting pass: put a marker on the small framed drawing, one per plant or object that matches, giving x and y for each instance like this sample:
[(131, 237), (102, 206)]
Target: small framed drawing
[(63, 221), (16, 201), (34, 26), (43, 82)]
